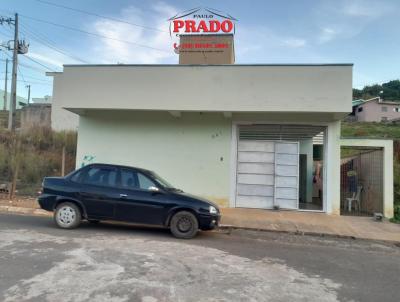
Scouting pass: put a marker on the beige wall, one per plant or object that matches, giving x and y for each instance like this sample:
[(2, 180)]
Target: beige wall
[(231, 88), (61, 119)]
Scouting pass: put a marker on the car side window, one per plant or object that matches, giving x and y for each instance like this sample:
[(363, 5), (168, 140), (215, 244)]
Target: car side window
[(131, 179), (76, 177), (144, 182), (100, 176)]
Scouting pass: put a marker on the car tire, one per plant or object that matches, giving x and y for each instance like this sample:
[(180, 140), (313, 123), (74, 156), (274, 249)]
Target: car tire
[(67, 215), (184, 225)]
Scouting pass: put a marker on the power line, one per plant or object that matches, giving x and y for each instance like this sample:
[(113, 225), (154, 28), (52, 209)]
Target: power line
[(100, 16), (37, 79), (36, 83), (20, 72), (34, 68), (37, 62), (43, 40), (94, 34)]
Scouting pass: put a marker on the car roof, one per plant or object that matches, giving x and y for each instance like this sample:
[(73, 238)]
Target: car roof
[(118, 166)]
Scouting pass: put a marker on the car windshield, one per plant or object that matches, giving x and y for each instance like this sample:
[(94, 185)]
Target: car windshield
[(162, 181)]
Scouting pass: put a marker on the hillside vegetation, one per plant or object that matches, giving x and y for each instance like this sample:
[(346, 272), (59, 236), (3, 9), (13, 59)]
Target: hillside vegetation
[(370, 130), (34, 154), (389, 91)]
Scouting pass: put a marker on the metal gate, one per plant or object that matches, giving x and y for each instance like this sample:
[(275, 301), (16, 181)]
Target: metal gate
[(267, 174), (361, 181)]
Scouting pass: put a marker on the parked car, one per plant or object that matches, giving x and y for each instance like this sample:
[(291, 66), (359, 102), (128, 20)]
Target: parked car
[(110, 192)]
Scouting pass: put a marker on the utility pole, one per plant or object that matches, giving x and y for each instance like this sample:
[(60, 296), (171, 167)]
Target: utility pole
[(5, 88), (13, 99), (29, 92)]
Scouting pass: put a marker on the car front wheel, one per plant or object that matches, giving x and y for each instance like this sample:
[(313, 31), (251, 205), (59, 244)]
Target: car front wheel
[(184, 225), (67, 215)]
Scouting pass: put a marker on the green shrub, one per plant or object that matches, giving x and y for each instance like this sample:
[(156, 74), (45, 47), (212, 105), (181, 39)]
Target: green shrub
[(396, 216)]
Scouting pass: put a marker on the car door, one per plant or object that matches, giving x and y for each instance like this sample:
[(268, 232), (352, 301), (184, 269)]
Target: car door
[(99, 191), (137, 202)]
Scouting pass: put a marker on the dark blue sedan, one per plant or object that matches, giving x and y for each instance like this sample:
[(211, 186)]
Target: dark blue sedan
[(110, 192)]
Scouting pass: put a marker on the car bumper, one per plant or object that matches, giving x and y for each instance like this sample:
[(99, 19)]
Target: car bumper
[(46, 202), (209, 222)]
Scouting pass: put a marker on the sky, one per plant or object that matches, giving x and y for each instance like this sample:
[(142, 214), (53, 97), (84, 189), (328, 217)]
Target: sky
[(362, 32)]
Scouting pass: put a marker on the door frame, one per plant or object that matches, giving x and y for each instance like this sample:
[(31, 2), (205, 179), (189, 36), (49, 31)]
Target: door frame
[(234, 158)]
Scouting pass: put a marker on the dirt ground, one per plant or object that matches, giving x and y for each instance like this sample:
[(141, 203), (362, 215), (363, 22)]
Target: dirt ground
[(19, 201)]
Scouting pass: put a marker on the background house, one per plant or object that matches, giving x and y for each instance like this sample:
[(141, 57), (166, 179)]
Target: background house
[(375, 110)]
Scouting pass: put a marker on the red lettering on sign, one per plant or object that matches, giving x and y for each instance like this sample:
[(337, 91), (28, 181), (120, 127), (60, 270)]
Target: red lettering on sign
[(191, 26), (177, 25), (215, 26), (226, 26), (202, 26)]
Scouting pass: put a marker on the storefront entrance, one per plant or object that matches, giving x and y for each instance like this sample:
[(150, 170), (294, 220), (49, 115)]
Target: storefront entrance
[(267, 174), (280, 167)]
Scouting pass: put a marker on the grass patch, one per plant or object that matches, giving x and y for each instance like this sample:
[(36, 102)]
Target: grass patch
[(370, 130)]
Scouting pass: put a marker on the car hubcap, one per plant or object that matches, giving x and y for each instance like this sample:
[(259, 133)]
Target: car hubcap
[(66, 215), (184, 224)]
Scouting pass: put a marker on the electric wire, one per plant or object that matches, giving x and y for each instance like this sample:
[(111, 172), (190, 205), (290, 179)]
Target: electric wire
[(99, 15), (92, 33)]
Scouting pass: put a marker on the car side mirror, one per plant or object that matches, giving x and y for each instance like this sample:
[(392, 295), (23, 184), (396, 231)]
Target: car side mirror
[(153, 189)]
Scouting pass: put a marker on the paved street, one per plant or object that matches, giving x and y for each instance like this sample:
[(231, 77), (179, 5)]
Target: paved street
[(109, 262)]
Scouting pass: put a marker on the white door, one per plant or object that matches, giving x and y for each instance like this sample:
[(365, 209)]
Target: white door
[(287, 175), (267, 174), (255, 174)]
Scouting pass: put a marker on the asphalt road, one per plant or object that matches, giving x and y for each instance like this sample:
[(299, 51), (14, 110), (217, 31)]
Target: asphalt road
[(109, 262)]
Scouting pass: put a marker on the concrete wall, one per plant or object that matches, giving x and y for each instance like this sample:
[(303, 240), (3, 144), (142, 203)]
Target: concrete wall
[(331, 173), (372, 112), (36, 115), (61, 119), (191, 152), (387, 146), (226, 88)]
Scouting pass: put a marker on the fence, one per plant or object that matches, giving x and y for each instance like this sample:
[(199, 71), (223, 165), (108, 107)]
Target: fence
[(361, 181)]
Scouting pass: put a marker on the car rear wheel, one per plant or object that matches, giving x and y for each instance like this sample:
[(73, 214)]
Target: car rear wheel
[(67, 215), (184, 225)]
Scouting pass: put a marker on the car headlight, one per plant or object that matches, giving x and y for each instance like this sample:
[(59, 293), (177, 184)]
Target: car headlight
[(213, 210)]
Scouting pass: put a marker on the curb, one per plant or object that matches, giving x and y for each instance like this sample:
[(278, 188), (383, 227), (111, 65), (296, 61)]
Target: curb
[(22, 210), (230, 228)]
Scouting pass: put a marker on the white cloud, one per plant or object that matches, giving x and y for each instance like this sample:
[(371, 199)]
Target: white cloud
[(327, 34), (366, 9), (113, 51), (261, 44), (295, 42), (52, 60), (347, 18)]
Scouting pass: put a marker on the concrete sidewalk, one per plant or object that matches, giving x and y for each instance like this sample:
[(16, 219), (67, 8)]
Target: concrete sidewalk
[(310, 223)]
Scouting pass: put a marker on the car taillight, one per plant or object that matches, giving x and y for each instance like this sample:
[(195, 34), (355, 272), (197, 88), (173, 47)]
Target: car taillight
[(41, 189)]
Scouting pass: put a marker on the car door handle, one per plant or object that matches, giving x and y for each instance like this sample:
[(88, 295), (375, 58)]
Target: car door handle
[(123, 195)]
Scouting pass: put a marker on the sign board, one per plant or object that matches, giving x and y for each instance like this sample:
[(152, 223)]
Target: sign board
[(200, 21)]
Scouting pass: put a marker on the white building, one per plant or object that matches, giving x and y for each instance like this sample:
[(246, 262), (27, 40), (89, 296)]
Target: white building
[(257, 136)]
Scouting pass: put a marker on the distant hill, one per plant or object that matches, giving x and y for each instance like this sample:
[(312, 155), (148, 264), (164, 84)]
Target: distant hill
[(390, 91), (19, 99)]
